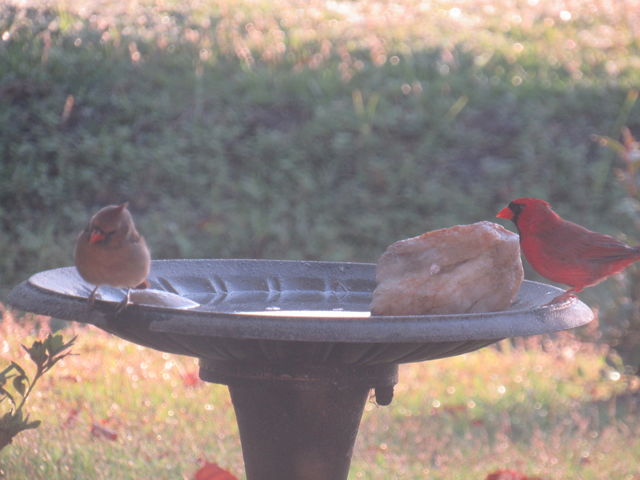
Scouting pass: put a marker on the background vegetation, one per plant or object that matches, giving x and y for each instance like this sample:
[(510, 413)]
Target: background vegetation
[(324, 130), (290, 129), (309, 130)]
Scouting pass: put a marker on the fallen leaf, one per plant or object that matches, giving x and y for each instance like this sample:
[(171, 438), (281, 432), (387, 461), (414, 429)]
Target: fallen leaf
[(509, 475), (191, 379), (211, 471), (103, 432)]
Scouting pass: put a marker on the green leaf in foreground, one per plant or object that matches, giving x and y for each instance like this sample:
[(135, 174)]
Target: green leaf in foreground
[(44, 355)]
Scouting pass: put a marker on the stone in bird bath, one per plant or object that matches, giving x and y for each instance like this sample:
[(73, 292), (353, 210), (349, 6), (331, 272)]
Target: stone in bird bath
[(465, 268)]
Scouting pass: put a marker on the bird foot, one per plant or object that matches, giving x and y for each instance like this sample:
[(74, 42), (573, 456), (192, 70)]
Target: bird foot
[(123, 304), (91, 300)]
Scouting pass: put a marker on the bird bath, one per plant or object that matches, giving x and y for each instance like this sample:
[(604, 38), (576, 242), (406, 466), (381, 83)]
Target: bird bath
[(295, 344)]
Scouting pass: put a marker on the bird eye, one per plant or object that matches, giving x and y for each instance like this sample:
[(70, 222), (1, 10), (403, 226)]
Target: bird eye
[(99, 230), (98, 235)]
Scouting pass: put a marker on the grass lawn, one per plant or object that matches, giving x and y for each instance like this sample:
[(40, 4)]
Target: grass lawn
[(549, 408)]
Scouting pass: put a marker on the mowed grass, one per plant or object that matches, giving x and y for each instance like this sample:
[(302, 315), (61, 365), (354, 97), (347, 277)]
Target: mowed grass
[(554, 408)]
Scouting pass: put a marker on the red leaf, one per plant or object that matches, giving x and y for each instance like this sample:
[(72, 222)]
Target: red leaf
[(191, 379), (509, 475), (103, 432), (211, 471)]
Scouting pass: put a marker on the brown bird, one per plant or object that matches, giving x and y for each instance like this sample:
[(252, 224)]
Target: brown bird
[(563, 251), (110, 251)]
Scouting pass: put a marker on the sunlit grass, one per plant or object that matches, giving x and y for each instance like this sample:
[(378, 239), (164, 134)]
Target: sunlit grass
[(555, 409), (116, 410), (576, 40)]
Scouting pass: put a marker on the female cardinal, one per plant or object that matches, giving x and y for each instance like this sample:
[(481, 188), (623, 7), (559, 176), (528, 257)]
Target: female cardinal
[(563, 251), (110, 251)]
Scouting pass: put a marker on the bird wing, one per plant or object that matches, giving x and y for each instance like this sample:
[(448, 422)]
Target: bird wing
[(569, 253), (603, 248)]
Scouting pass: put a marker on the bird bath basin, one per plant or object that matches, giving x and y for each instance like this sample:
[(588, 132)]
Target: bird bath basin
[(294, 342)]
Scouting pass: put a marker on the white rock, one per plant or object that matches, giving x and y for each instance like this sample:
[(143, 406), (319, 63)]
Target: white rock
[(466, 268)]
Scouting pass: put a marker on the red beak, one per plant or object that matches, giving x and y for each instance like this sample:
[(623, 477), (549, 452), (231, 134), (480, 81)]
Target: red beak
[(505, 213), (96, 237)]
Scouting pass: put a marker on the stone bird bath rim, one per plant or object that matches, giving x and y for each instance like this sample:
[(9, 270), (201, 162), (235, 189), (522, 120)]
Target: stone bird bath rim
[(293, 342)]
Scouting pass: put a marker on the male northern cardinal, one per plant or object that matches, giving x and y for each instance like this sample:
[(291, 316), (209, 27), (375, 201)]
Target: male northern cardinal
[(110, 251), (563, 251)]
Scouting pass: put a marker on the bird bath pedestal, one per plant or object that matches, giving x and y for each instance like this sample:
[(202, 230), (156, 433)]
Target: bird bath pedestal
[(295, 344)]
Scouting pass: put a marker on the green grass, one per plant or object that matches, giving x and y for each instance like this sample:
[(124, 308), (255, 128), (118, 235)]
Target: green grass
[(551, 408)]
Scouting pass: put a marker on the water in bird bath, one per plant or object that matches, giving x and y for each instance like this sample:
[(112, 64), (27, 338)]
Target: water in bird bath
[(336, 313)]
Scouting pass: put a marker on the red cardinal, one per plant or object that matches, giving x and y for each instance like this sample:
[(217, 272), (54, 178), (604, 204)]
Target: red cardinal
[(563, 251)]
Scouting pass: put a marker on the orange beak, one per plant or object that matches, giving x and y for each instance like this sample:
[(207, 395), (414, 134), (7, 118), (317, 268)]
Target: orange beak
[(505, 213), (96, 237)]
